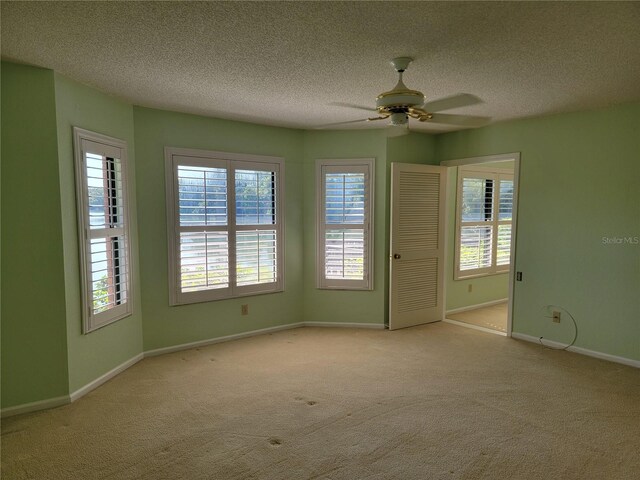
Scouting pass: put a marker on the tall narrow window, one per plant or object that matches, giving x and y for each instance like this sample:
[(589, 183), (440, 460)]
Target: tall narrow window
[(225, 225), (344, 240), (483, 240), (101, 186)]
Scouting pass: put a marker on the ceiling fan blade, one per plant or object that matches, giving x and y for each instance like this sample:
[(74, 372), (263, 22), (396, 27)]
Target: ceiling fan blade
[(461, 120), (454, 101), (341, 123), (351, 105)]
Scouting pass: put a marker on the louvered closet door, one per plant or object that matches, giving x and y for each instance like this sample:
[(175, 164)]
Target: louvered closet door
[(417, 244)]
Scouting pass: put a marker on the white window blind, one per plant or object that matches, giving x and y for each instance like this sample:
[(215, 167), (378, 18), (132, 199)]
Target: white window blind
[(225, 225), (344, 243), (101, 193), (202, 207), (484, 217)]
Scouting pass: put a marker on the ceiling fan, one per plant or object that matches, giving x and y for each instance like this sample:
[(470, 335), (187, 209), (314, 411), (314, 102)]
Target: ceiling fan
[(401, 103)]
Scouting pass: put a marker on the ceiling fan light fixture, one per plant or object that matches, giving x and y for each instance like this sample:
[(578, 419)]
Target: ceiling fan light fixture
[(399, 118)]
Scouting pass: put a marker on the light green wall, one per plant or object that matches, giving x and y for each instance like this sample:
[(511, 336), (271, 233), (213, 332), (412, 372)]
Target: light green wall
[(484, 289), (165, 325), (34, 343), (580, 175), (342, 305), (579, 182), (102, 350), (356, 306)]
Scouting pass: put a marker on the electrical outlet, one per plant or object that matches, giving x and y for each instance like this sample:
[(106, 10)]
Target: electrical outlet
[(244, 309), (556, 316), (470, 288)]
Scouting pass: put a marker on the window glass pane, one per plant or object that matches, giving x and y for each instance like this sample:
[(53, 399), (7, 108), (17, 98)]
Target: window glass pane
[(108, 280), (104, 191), (506, 200), (504, 245), (98, 202), (255, 197), (202, 195), (477, 199), (344, 254), (475, 247), (256, 257), (344, 198), (204, 260)]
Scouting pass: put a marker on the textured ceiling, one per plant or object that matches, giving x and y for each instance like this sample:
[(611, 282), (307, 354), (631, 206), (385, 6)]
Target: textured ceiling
[(283, 63)]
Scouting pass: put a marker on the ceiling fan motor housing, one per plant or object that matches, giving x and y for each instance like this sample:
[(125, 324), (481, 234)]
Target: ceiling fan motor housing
[(396, 104), (399, 98)]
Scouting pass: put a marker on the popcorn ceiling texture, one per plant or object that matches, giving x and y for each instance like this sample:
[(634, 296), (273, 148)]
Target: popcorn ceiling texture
[(283, 63)]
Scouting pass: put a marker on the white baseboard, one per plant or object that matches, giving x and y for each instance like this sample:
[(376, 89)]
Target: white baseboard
[(35, 406), (59, 401), (64, 400), (253, 333), (583, 351), (479, 305), (380, 326), (475, 327), (82, 391), (227, 338)]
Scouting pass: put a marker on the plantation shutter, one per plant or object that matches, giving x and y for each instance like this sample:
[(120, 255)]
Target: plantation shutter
[(203, 225), (344, 220), (226, 234), (103, 228), (484, 218)]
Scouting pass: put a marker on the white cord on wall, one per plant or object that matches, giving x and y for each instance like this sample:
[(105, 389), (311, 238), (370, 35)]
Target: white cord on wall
[(548, 313)]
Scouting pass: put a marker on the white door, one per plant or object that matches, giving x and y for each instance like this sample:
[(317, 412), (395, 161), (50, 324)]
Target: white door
[(417, 244)]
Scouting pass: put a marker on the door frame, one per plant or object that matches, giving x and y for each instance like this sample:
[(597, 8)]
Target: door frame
[(502, 157)]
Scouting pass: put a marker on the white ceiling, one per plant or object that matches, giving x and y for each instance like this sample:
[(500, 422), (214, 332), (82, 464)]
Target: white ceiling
[(283, 63)]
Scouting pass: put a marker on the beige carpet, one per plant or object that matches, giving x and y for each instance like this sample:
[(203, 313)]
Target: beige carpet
[(493, 317), (431, 402)]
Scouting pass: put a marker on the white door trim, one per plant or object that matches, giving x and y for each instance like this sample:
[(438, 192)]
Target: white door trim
[(502, 157)]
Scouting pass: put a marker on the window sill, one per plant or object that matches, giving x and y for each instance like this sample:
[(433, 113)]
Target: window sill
[(178, 303), (479, 275), (354, 288)]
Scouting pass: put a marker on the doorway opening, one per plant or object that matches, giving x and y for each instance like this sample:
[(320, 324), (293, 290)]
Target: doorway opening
[(480, 239)]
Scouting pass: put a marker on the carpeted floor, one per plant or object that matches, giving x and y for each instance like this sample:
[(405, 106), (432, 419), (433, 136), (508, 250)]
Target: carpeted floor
[(431, 402), (493, 317)]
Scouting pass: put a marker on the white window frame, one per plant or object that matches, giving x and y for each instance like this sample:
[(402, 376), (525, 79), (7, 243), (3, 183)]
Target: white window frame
[(495, 174), (352, 165), (87, 141), (231, 162)]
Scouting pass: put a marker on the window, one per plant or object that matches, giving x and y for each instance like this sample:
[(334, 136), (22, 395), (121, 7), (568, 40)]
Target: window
[(344, 224), (225, 225), (103, 228), (483, 233)]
